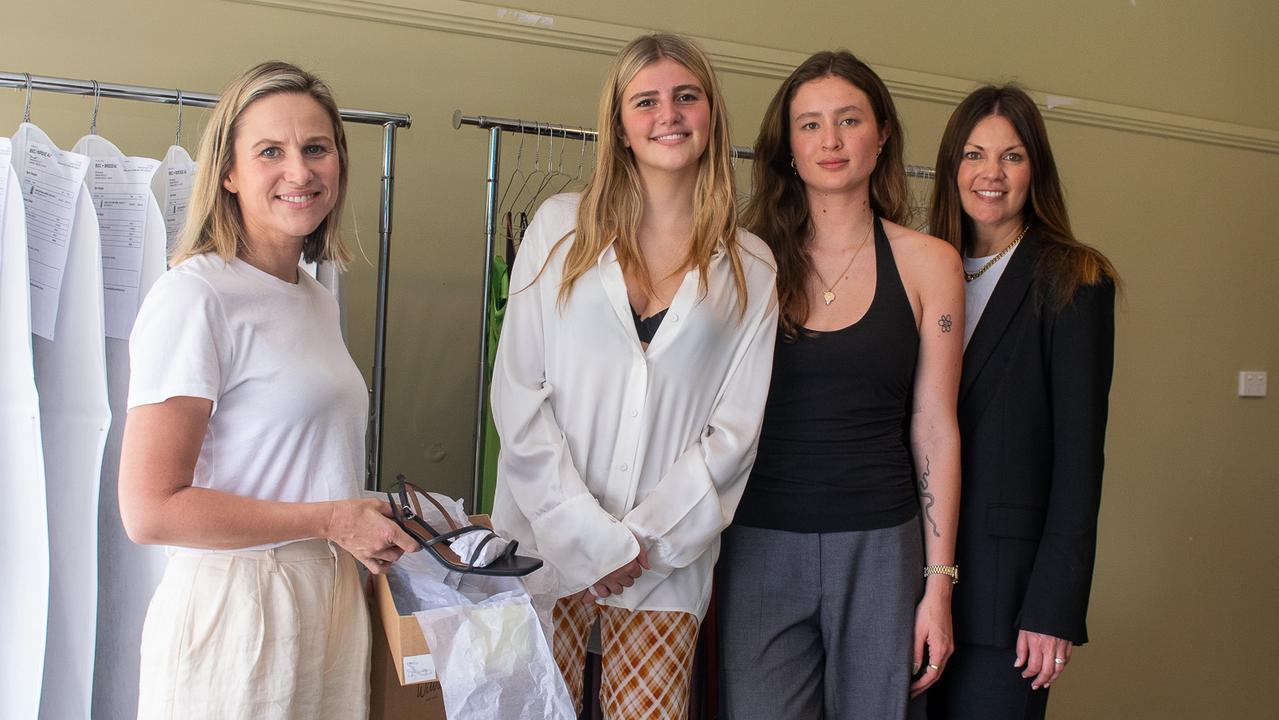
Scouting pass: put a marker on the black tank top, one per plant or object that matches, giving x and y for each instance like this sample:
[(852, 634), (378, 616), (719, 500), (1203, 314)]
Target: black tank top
[(833, 451)]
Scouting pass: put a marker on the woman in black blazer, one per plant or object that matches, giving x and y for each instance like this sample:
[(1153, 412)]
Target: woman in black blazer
[(1039, 349)]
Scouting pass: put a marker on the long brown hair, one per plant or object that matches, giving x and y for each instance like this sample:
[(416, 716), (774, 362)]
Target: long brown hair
[(1064, 263), (778, 210), (214, 223), (613, 200)]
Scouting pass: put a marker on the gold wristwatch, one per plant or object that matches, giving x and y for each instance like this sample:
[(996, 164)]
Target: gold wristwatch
[(950, 570)]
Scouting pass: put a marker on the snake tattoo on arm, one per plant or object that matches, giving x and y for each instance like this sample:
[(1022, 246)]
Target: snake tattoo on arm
[(929, 499)]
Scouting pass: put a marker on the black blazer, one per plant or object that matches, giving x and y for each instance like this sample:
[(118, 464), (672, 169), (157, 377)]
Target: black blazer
[(1032, 415)]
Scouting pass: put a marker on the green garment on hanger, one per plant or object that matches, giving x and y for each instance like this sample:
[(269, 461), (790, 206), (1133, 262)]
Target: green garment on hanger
[(499, 290)]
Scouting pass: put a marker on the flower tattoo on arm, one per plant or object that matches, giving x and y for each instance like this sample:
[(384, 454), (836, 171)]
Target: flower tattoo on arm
[(946, 323)]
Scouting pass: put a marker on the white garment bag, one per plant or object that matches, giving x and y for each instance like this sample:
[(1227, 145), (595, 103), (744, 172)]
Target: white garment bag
[(24, 530), (128, 213), (171, 186), (70, 371)]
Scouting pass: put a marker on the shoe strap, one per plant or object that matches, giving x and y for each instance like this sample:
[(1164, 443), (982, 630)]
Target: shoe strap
[(409, 495)]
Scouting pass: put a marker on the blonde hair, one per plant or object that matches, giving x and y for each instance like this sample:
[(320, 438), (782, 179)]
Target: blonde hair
[(613, 200), (214, 223)]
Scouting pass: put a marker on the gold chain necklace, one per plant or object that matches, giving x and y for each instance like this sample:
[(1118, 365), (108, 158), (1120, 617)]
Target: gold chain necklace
[(971, 276), (828, 295)]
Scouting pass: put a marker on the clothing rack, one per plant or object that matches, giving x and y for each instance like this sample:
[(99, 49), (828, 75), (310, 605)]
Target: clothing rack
[(390, 122), (496, 126)]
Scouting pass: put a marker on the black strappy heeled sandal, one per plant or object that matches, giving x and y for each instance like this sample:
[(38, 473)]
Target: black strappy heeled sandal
[(407, 513)]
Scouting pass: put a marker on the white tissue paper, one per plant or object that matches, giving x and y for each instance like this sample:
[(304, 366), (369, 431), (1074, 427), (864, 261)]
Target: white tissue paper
[(494, 662), (464, 545), (491, 655)]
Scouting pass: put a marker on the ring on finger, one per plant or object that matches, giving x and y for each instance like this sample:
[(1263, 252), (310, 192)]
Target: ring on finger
[(1059, 660), (934, 667)]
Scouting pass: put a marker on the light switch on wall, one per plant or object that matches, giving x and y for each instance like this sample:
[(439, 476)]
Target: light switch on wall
[(1252, 383)]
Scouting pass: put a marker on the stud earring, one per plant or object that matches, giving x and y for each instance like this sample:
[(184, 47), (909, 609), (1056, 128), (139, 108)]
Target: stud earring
[(792, 166)]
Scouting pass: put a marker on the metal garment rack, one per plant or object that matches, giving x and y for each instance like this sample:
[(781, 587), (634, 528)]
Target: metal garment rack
[(496, 126), (390, 122)]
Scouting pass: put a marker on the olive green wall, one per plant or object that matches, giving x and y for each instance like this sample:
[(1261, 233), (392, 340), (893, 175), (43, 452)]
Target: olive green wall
[(1153, 151)]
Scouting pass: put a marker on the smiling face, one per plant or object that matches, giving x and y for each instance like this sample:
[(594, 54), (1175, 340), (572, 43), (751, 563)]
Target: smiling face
[(285, 174), (666, 119), (994, 178), (834, 136)]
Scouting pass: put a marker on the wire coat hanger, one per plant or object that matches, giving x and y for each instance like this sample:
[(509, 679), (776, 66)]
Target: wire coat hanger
[(97, 97), (177, 134), (551, 170), (519, 153), (537, 159), (581, 156), (26, 107)]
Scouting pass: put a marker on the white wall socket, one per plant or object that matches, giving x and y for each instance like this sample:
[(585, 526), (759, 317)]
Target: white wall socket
[(1252, 383)]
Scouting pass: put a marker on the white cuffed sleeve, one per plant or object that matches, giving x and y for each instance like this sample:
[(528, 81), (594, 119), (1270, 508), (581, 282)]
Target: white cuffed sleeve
[(570, 529), (696, 498)]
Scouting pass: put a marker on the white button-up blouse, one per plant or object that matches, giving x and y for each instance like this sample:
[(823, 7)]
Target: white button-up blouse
[(603, 442)]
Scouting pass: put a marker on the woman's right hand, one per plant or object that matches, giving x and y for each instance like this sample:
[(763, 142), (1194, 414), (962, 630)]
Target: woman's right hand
[(618, 580), (364, 528)]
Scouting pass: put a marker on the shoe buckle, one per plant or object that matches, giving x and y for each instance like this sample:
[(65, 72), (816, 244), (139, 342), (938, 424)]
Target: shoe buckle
[(408, 512)]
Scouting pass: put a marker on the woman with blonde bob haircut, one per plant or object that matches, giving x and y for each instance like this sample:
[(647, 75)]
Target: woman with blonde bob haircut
[(630, 380), (214, 221), (244, 443)]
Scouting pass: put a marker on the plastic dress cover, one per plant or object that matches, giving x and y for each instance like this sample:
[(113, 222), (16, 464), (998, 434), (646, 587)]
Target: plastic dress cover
[(171, 186), (24, 530), (127, 573), (71, 379)]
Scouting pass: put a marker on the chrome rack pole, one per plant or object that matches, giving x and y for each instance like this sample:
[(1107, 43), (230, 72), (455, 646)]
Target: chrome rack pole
[(167, 96), (490, 244), (377, 406), (522, 126)]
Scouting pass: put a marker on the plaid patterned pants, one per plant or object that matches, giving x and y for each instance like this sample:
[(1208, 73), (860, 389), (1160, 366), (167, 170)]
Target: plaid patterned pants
[(648, 658)]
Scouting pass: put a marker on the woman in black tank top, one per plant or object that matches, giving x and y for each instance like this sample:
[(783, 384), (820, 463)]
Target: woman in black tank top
[(851, 508)]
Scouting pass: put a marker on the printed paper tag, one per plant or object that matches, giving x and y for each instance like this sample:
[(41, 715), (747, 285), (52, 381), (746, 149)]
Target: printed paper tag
[(418, 668)]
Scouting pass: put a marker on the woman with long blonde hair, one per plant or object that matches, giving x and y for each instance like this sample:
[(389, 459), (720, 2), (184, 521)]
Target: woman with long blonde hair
[(630, 379)]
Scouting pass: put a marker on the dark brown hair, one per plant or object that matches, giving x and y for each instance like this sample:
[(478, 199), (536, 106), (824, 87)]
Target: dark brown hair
[(778, 210), (1064, 263)]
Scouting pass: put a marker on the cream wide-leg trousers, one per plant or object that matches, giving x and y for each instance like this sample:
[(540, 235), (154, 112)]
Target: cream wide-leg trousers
[(257, 635)]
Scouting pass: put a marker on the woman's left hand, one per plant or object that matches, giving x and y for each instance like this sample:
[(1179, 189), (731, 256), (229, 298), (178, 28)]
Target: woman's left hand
[(932, 629), (1044, 657)]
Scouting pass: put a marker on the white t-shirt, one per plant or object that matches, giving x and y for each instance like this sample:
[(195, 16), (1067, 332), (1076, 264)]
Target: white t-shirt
[(977, 293), (603, 442), (289, 405)]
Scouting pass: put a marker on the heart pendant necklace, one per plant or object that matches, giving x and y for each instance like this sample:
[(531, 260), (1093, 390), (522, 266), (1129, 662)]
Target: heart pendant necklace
[(828, 295)]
